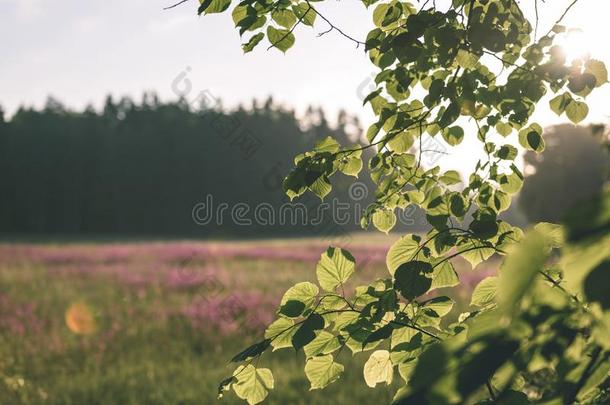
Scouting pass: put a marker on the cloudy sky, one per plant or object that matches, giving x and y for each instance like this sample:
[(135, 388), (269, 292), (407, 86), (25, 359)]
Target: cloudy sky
[(79, 51)]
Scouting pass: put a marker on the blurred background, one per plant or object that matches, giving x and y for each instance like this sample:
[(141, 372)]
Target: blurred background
[(144, 234)]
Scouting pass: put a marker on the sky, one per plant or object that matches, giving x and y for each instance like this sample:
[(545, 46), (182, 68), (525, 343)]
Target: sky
[(80, 51)]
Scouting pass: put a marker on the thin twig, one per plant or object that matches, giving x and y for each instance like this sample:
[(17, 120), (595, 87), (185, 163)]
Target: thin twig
[(274, 45), (490, 389), (175, 5), (333, 27), (537, 20), (560, 19)]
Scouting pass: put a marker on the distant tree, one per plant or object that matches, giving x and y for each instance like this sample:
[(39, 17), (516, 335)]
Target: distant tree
[(141, 168), (572, 169)]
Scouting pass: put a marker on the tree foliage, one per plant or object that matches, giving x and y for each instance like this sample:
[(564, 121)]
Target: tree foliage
[(138, 168), (572, 169), (537, 331)]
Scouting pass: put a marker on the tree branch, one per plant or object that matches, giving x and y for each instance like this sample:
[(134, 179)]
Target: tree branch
[(333, 27), (175, 5), (274, 45), (560, 19)]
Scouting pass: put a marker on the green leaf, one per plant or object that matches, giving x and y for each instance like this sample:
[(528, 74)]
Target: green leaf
[(334, 268), (280, 333), (225, 385), (601, 331), (379, 14), (453, 136), (292, 309), (372, 132), (403, 250), (507, 152), (281, 39), (451, 177), (522, 264), (449, 116), (596, 284), (466, 59), (252, 351), (321, 187), (411, 279), (485, 292), (305, 292), (599, 374), (511, 183), (252, 384), (251, 44), (351, 165), (598, 69), (304, 12), (380, 334), (328, 144), (406, 369), (440, 305), (239, 13), (378, 368), (298, 298), (402, 335), (484, 228), (324, 343), (504, 129), (475, 252), (307, 331), (444, 275), (458, 204), (384, 220), (322, 371), (402, 142), (577, 111), (285, 18), (555, 234), (531, 139), (370, 97), (213, 6), (581, 257), (559, 103)]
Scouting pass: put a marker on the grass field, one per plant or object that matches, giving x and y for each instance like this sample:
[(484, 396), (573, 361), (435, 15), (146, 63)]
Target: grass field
[(156, 322)]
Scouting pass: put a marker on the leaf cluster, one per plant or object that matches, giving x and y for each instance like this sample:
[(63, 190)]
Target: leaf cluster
[(538, 330)]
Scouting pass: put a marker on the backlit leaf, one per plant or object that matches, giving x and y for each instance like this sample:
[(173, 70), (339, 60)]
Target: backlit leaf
[(334, 268), (281, 39), (252, 384), (485, 292), (322, 371), (378, 368)]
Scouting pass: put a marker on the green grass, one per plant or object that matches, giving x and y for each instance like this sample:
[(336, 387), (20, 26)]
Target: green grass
[(144, 349)]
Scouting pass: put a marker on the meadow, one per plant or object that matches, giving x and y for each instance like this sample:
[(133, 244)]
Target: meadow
[(157, 322)]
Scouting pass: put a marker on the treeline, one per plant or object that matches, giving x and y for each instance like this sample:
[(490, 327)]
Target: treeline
[(150, 168), (144, 168)]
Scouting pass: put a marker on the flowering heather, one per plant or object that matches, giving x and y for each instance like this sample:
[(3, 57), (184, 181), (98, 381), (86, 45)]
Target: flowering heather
[(188, 278), (19, 319), (231, 313), (147, 312), (195, 280), (181, 253)]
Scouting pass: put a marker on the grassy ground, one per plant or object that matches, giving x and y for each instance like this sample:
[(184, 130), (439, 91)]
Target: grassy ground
[(157, 322)]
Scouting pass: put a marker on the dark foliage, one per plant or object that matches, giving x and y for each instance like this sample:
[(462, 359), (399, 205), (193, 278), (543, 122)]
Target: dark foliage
[(140, 169)]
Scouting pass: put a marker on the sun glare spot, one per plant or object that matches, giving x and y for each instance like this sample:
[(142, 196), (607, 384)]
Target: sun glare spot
[(575, 44), (80, 319)]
